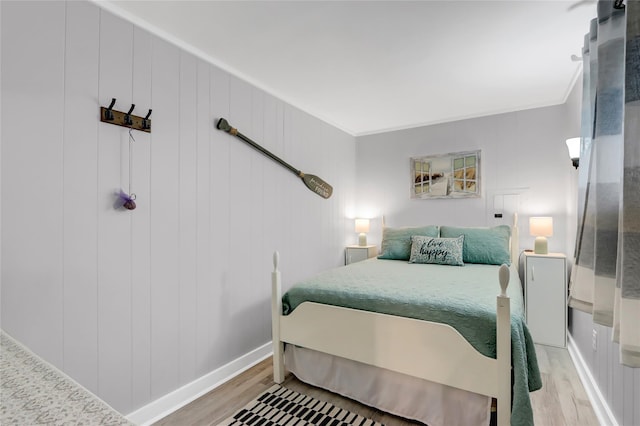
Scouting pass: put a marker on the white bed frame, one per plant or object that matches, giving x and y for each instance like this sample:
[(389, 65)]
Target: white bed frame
[(423, 349)]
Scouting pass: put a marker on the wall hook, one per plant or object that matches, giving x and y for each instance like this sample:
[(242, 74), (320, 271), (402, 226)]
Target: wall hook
[(127, 117), (108, 113), (146, 123)]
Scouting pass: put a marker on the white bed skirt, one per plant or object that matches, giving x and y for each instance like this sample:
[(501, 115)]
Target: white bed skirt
[(395, 393)]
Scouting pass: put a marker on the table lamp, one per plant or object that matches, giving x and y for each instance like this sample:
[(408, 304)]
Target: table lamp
[(362, 226), (541, 228)]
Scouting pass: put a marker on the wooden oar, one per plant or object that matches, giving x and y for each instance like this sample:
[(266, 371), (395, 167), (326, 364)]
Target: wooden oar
[(312, 182)]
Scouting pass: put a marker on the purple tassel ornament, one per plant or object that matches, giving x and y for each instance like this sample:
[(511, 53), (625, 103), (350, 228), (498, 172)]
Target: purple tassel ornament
[(127, 201)]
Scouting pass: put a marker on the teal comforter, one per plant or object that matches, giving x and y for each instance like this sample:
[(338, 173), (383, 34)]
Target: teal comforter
[(461, 296)]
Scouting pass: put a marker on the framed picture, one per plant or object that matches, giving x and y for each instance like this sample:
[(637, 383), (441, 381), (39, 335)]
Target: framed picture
[(453, 175)]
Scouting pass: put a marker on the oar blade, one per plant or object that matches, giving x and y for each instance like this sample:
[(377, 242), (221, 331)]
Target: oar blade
[(317, 185)]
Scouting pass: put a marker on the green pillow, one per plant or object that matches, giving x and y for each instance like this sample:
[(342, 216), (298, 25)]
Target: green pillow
[(396, 242), (441, 251), (482, 245)]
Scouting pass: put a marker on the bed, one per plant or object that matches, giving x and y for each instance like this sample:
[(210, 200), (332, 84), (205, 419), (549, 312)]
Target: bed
[(428, 328)]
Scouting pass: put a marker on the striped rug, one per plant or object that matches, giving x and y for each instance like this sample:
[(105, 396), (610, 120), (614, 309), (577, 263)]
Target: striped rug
[(284, 407)]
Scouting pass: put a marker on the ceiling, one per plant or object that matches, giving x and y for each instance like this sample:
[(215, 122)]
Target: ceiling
[(374, 66)]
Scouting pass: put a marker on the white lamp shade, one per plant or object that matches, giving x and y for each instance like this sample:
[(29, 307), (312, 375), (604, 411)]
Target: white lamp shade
[(573, 145), (541, 226), (362, 225)]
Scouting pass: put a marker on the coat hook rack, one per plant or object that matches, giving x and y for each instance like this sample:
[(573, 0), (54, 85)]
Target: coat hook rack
[(125, 119)]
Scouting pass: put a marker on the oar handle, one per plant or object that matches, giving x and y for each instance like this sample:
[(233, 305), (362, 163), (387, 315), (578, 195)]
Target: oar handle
[(224, 125)]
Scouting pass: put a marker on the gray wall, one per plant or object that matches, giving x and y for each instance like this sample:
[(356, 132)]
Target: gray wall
[(135, 304), (523, 153)]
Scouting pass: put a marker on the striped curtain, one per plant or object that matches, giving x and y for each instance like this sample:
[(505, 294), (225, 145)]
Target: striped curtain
[(606, 275)]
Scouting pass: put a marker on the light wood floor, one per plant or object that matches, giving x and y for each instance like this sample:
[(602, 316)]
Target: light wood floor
[(562, 401)]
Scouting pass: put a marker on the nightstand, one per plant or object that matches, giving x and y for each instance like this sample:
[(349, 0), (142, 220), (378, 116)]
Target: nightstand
[(354, 254), (545, 297)]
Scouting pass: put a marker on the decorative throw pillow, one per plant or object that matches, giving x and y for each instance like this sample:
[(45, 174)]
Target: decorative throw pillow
[(396, 242), (443, 251), (482, 245)]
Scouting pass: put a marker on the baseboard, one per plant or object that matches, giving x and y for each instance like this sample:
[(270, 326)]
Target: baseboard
[(600, 406), (172, 401)]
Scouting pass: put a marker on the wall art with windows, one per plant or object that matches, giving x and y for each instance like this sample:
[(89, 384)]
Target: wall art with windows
[(453, 175)]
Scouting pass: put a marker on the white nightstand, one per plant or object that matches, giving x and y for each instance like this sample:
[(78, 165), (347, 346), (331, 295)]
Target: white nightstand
[(545, 297), (356, 253)]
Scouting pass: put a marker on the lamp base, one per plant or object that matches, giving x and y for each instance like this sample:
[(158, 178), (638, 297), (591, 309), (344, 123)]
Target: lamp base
[(541, 246), (362, 239)]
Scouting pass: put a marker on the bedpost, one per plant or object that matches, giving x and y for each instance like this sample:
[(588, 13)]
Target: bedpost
[(276, 311), (503, 349), (515, 240)]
